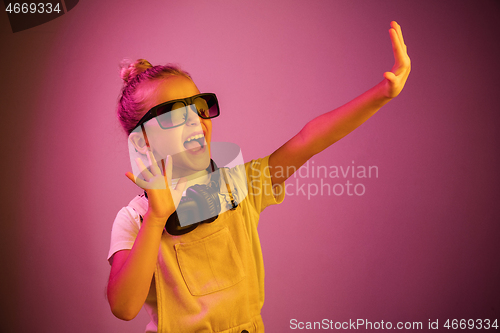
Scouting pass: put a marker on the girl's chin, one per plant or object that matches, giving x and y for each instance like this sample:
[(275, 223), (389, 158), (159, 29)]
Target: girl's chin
[(189, 164)]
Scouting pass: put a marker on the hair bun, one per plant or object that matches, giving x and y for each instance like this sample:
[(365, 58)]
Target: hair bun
[(130, 69)]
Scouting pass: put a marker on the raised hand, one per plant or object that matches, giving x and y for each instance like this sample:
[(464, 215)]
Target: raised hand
[(163, 198), (396, 78)]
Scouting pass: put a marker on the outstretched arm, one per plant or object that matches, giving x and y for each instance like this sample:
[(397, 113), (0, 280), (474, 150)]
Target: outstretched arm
[(332, 126)]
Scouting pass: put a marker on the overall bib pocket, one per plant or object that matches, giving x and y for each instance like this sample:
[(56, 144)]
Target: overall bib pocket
[(210, 264)]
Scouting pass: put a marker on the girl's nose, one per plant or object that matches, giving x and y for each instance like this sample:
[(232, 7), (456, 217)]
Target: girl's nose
[(193, 118)]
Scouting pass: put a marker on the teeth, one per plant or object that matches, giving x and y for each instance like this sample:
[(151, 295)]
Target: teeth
[(194, 137)]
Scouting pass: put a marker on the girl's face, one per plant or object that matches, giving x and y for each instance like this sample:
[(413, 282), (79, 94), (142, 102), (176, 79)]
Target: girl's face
[(188, 155)]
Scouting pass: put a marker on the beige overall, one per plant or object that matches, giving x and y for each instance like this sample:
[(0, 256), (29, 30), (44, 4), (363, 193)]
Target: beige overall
[(208, 281)]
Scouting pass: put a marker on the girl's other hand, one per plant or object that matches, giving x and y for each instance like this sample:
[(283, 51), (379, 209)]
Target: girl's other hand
[(162, 198), (396, 78)]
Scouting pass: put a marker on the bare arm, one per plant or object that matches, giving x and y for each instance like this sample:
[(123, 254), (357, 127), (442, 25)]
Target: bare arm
[(132, 270), (332, 126)]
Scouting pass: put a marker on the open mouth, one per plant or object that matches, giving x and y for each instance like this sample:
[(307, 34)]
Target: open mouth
[(195, 142)]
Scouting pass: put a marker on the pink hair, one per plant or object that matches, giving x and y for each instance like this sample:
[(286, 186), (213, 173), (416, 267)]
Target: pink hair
[(130, 107)]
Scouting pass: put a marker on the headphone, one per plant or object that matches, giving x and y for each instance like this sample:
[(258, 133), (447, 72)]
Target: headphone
[(201, 204)]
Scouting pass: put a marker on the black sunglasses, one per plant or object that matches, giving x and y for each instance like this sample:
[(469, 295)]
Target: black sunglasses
[(175, 113)]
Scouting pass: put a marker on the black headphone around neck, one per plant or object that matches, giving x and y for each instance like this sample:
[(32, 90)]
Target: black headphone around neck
[(201, 204)]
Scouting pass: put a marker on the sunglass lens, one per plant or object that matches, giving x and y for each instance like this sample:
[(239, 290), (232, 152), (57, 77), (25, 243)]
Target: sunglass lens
[(207, 106), (172, 115)]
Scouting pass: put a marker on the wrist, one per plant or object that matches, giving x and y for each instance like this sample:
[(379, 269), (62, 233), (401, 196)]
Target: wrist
[(151, 220), (382, 93)]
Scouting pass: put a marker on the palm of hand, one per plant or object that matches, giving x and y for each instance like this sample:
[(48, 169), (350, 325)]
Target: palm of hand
[(162, 197)]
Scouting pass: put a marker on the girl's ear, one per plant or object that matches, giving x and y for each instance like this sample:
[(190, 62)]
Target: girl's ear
[(138, 142)]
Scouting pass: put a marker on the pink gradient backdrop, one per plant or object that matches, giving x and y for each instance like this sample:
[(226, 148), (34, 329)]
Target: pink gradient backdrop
[(422, 243)]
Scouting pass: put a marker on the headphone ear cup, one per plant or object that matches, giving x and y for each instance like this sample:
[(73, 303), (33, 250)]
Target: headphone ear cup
[(207, 200), (188, 212), (201, 204)]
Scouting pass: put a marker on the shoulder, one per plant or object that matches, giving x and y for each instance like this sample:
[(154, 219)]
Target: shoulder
[(131, 214), (127, 224), (260, 188)]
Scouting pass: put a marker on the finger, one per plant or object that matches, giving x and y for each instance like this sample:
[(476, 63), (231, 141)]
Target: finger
[(144, 171), (137, 181), (130, 176), (167, 169), (399, 53), (155, 170), (397, 27), (394, 39), (181, 185), (390, 76)]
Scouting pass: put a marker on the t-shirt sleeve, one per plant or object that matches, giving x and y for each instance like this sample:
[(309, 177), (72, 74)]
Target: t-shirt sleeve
[(260, 188), (124, 232)]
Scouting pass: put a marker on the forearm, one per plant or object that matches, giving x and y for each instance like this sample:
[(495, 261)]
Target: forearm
[(325, 130), (130, 280), (332, 126)]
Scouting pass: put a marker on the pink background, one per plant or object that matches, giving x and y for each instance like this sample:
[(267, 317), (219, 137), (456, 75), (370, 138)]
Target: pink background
[(422, 242)]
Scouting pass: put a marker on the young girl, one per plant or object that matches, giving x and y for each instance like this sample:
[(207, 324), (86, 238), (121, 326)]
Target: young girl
[(208, 277)]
